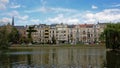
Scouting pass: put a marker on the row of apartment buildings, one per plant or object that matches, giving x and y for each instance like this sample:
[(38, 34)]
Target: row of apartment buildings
[(63, 33)]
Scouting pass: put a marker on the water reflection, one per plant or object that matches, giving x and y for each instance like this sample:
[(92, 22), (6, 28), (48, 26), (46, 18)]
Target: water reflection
[(113, 59), (59, 58)]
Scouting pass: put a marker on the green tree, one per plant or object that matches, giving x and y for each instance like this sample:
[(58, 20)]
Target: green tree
[(4, 42), (14, 36), (102, 37), (53, 40), (30, 31), (112, 36)]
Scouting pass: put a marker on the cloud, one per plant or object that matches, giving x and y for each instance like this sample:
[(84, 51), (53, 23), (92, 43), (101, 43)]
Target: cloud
[(94, 7), (60, 18), (116, 5), (107, 15), (16, 14), (12, 13), (15, 6), (3, 4), (43, 2), (51, 9), (28, 22), (4, 1), (5, 20), (35, 20), (25, 17)]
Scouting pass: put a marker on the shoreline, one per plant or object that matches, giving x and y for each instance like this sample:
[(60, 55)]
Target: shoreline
[(55, 46)]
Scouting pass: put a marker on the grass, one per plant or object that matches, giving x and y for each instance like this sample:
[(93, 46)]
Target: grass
[(18, 46)]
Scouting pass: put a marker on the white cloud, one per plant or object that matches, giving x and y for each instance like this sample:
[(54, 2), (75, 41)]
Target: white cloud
[(16, 14), (94, 7), (51, 9), (28, 22), (35, 20), (60, 18), (15, 6), (43, 2), (5, 20), (107, 15), (12, 13), (63, 10), (25, 17), (4, 1), (116, 5), (3, 4)]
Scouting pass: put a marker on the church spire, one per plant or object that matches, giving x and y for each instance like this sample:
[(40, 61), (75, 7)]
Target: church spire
[(13, 21)]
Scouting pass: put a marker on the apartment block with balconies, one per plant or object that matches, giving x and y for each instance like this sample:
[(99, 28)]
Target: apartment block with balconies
[(61, 33)]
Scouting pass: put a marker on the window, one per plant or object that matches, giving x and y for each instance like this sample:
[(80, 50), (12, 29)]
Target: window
[(64, 31), (46, 30), (84, 32)]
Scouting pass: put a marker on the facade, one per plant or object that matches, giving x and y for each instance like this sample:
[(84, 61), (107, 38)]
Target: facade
[(38, 36), (99, 28), (63, 33), (52, 35), (86, 33), (46, 34), (71, 34)]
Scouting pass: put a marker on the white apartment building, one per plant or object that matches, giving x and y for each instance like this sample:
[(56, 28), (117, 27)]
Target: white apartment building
[(61, 33), (71, 34), (52, 35), (86, 33)]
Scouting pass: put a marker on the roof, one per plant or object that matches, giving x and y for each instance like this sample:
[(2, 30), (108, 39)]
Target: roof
[(102, 23), (86, 25), (19, 27), (71, 26)]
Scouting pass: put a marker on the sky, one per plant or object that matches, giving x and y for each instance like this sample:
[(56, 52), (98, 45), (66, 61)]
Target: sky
[(33, 12)]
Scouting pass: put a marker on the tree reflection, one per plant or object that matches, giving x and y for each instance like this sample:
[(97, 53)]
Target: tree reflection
[(4, 60), (113, 59)]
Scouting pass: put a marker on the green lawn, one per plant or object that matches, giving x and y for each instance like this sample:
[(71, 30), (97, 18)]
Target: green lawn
[(56, 46)]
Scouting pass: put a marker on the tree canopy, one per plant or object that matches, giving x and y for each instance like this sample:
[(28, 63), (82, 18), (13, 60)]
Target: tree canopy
[(112, 35), (4, 42), (30, 31), (8, 36)]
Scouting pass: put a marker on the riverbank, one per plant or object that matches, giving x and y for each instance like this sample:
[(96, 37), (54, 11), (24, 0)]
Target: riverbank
[(18, 46)]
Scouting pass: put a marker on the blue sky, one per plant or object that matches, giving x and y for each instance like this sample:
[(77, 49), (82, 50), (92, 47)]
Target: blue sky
[(30, 12)]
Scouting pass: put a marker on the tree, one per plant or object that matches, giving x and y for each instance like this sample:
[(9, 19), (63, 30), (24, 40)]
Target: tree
[(14, 36), (102, 37), (3, 38), (30, 31), (53, 40), (112, 36)]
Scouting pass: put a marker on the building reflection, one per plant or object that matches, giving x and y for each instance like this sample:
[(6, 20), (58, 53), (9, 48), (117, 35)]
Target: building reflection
[(63, 58), (59, 57)]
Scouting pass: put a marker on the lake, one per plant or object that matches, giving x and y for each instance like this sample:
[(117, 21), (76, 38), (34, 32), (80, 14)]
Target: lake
[(60, 57)]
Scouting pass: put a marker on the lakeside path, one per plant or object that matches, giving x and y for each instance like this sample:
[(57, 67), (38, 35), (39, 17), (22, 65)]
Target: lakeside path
[(55, 46)]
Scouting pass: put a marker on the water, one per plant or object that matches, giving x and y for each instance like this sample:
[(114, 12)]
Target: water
[(60, 58)]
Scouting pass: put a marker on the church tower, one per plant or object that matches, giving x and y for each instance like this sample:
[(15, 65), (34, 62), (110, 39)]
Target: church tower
[(13, 21)]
